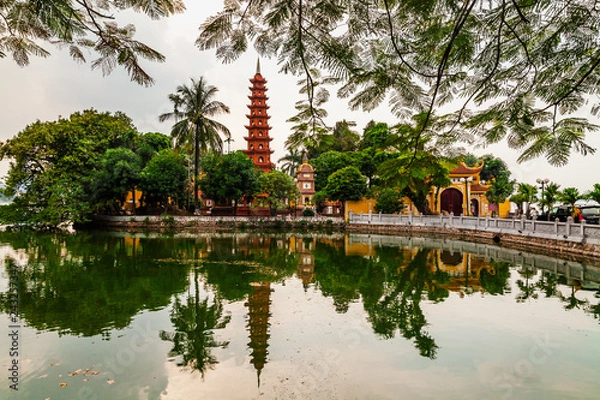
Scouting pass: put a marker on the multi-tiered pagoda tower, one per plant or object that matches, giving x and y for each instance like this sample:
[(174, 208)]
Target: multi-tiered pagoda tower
[(258, 126)]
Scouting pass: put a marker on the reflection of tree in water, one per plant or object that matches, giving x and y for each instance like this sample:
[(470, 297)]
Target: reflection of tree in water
[(340, 276), (527, 286), (548, 284), (400, 309), (497, 282), (87, 284), (595, 308), (572, 301), (391, 295), (194, 323)]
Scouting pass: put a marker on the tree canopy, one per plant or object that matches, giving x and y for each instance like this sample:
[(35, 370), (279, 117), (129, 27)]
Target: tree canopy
[(493, 70), (346, 184), (278, 187), (53, 165), (164, 178), (226, 178), (26, 25)]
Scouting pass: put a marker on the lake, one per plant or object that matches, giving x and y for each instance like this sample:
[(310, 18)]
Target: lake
[(292, 316)]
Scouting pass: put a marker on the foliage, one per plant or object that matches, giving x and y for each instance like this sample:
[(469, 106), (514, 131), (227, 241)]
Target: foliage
[(496, 173), (164, 178), (78, 26), (319, 199), (310, 128), (527, 194), (53, 165), (308, 212), (277, 187), (550, 196), (327, 163), (594, 194), (229, 177), (119, 173), (151, 143), (346, 184), (509, 71), (569, 196), (493, 167), (500, 190), (291, 162), (414, 171), (375, 135), (193, 108), (389, 201), (345, 138)]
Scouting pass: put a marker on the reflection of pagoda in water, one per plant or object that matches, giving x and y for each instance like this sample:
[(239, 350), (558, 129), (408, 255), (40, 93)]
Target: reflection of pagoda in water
[(306, 266), (259, 302)]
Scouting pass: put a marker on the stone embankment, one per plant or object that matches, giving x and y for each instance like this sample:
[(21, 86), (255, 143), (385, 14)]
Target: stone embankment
[(168, 223), (565, 239)]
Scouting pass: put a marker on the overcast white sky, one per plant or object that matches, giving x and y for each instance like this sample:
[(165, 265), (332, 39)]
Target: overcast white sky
[(57, 86)]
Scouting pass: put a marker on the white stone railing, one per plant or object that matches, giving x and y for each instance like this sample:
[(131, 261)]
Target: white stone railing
[(567, 231), (570, 269)]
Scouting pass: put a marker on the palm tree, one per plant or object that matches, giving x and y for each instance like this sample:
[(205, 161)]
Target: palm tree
[(569, 196), (292, 161), (195, 323), (550, 196), (594, 194), (193, 107), (500, 190), (526, 193)]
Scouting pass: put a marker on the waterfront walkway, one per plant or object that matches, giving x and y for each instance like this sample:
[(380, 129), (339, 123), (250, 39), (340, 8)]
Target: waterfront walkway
[(567, 231)]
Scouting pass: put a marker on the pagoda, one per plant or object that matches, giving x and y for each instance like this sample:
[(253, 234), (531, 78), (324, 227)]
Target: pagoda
[(258, 124)]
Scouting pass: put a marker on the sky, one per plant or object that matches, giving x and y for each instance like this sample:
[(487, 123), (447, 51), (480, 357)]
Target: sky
[(58, 86)]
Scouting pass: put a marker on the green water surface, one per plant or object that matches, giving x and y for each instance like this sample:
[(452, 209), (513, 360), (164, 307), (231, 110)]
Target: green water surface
[(292, 316)]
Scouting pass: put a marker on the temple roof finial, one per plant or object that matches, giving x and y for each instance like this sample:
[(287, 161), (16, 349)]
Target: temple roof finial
[(258, 65)]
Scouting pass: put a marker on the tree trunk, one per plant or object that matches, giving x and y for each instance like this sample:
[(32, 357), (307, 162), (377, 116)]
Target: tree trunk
[(196, 162)]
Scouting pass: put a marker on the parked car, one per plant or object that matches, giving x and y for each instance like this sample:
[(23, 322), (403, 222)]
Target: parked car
[(560, 212), (591, 214)]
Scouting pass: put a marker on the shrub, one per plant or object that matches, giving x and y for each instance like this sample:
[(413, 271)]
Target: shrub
[(308, 212)]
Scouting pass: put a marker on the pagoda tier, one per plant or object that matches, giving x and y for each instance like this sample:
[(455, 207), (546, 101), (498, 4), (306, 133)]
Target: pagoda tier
[(258, 127)]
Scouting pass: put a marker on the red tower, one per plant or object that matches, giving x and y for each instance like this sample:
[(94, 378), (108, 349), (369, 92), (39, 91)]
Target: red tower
[(258, 126)]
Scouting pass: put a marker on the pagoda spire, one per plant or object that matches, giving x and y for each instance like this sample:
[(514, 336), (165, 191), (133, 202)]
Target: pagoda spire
[(258, 127)]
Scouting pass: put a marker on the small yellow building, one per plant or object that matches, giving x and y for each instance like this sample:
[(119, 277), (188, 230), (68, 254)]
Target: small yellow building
[(465, 196)]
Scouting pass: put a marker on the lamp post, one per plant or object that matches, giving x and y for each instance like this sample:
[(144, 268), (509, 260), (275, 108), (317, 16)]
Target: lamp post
[(542, 182), (466, 181)]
